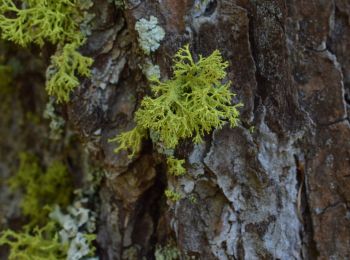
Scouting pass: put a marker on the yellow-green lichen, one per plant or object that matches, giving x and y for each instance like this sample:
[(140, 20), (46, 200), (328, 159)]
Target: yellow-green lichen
[(172, 195), (189, 105), (39, 244), (57, 22), (65, 65), (175, 166), (41, 189), (130, 140)]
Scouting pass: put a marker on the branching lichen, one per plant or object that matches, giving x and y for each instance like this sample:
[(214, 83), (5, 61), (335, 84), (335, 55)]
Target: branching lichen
[(43, 243), (42, 190), (189, 105), (65, 65), (51, 234), (175, 166), (130, 140), (57, 22)]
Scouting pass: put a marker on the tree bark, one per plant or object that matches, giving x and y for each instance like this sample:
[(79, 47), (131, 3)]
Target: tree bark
[(275, 187)]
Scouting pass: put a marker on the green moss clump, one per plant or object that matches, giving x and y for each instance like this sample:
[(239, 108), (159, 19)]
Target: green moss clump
[(189, 105), (175, 166), (42, 190), (41, 244), (57, 22)]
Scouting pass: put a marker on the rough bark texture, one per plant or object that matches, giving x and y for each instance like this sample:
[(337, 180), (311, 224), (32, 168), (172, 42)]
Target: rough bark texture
[(289, 64)]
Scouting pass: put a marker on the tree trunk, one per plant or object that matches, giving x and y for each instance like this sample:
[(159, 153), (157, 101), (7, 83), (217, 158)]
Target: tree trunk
[(275, 187)]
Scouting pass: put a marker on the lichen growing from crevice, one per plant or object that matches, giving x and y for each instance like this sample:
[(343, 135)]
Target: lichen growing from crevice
[(189, 105)]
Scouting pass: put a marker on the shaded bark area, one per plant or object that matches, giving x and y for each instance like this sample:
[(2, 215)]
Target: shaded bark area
[(289, 64)]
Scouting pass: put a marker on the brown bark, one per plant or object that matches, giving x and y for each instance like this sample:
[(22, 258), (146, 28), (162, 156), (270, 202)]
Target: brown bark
[(289, 64)]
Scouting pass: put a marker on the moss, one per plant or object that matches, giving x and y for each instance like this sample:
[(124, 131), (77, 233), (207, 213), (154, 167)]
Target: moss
[(41, 244), (57, 22), (42, 190), (189, 105)]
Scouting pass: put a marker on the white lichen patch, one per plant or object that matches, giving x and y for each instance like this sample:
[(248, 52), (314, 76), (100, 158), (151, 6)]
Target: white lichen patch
[(78, 222), (150, 34), (150, 70), (57, 123), (76, 226)]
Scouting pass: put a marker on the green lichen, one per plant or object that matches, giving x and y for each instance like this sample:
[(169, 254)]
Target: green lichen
[(38, 21), (175, 166), (130, 140), (66, 64), (189, 105), (172, 195), (42, 189), (57, 22), (40, 244)]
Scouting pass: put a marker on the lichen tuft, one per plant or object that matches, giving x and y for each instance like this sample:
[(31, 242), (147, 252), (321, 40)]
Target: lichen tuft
[(189, 105)]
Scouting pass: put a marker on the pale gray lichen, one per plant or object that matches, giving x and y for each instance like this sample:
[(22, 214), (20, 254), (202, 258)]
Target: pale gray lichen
[(78, 223), (150, 34), (79, 247), (57, 123), (150, 70), (86, 19)]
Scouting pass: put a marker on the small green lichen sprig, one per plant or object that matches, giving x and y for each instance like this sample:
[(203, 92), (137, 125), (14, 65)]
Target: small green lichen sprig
[(175, 166), (57, 22), (66, 64), (189, 105), (172, 195)]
